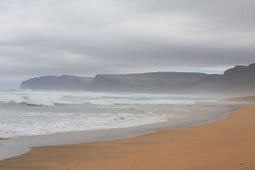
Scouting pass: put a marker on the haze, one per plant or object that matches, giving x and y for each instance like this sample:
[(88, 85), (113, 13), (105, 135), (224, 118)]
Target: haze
[(81, 37)]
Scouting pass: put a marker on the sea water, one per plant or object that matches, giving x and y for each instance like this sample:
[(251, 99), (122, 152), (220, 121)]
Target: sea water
[(32, 113)]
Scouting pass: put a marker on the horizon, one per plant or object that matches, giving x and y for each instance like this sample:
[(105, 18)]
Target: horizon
[(93, 76), (220, 72)]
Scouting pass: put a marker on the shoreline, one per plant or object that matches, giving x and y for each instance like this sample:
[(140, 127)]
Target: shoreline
[(221, 145), (17, 147)]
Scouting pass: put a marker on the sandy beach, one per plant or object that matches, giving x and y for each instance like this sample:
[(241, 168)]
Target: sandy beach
[(222, 145), (127, 85)]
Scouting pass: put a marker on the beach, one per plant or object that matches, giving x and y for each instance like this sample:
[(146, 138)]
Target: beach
[(127, 85), (225, 144)]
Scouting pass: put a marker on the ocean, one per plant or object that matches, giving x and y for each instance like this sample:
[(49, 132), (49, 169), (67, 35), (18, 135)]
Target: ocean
[(32, 113)]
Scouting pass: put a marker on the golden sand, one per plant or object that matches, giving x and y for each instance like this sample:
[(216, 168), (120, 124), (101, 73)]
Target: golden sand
[(224, 145)]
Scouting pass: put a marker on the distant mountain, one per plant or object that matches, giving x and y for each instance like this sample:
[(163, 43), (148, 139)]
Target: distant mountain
[(64, 82), (240, 79), (146, 82), (237, 80)]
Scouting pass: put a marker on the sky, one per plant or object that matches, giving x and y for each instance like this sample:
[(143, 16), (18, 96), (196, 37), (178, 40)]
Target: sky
[(85, 37)]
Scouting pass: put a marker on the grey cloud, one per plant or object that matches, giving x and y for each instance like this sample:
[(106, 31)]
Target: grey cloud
[(107, 36)]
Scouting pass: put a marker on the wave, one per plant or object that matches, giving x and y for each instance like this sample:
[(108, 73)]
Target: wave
[(32, 98), (32, 124), (28, 113)]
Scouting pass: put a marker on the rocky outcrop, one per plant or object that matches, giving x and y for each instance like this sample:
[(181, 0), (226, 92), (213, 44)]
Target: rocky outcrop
[(147, 82), (237, 80), (64, 82)]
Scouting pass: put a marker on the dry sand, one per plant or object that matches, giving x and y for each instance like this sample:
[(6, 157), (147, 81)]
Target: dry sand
[(224, 145)]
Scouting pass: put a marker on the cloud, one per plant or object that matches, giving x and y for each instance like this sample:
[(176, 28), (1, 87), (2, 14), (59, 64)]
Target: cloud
[(106, 36)]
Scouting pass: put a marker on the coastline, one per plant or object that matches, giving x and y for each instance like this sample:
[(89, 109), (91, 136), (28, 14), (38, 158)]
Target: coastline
[(221, 145), (199, 114)]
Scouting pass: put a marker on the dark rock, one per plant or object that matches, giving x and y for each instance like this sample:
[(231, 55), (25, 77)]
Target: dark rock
[(237, 80), (146, 82), (64, 82)]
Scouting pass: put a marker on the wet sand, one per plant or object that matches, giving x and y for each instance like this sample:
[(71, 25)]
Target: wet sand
[(222, 145), (188, 115)]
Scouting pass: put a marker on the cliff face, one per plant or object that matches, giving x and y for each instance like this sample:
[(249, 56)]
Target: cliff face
[(237, 80), (63, 82), (147, 82), (240, 79)]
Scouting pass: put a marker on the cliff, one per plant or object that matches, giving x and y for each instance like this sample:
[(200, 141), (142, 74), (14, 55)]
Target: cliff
[(239, 79), (64, 82), (146, 82)]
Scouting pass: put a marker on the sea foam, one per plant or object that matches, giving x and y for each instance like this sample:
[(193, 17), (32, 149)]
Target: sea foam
[(30, 113)]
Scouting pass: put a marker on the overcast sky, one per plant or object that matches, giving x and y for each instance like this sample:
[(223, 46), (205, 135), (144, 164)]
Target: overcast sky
[(86, 37)]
